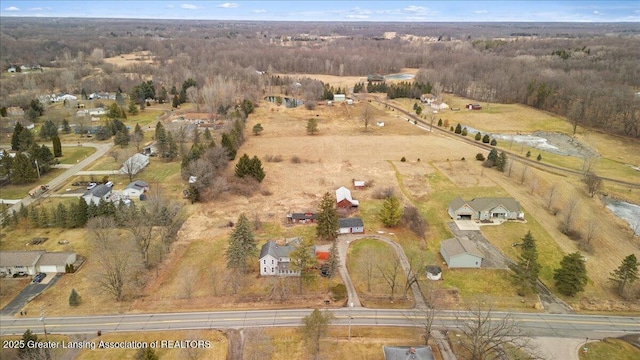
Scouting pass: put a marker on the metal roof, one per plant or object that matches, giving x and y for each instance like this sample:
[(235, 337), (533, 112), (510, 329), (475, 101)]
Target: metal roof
[(460, 245), (350, 222)]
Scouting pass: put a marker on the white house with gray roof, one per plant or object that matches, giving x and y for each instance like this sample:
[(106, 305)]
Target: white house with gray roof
[(350, 226), (33, 262), (98, 193), (135, 189), (489, 208), (274, 258)]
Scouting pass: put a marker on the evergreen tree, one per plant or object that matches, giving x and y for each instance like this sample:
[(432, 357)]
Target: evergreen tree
[(6, 219), (121, 138), (391, 212), (207, 135), (196, 135), (440, 124), (303, 259), (60, 216), (527, 268), (486, 139), (24, 211), (83, 94), (29, 352), (35, 217), (161, 139), (464, 132), (193, 194), (175, 102), (48, 130), (625, 274), (22, 170), (133, 109), (494, 142), (229, 146), (316, 326), (571, 277), (327, 228), (528, 153), (138, 131), (493, 157), (501, 161), (243, 167), (65, 126), (81, 214), (43, 217), (333, 263), (458, 129), (242, 246), (57, 146), (257, 129), (539, 157), (173, 146), (312, 126), (74, 298)]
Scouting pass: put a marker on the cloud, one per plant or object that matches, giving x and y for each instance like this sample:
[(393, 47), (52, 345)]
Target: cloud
[(228, 5), (190, 7), (11, 8), (170, 6), (354, 16), (596, 12), (36, 9), (480, 12), (416, 9), (259, 11)]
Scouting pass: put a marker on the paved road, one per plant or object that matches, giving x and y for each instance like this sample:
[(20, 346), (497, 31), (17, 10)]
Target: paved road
[(61, 179), (549, 325)]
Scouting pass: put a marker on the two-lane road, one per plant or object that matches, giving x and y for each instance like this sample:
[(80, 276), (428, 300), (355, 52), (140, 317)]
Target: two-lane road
[(534, 324)]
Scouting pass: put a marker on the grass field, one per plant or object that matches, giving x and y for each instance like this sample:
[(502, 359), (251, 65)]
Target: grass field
[(73, 154), (20, 191), (609, 348)]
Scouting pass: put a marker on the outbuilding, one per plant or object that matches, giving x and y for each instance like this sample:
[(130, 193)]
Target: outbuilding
[(434, 272), (135, 189), (350, 226), (460, 252)]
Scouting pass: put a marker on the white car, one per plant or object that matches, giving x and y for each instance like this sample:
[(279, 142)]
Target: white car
[(109, 183), (91, 186)]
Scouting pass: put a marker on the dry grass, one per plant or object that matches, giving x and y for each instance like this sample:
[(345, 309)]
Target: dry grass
[(10, 287), (217, 350), (124, 60), (610, 348)]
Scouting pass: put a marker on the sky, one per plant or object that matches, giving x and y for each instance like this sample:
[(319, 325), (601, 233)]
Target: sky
[(408, 11)]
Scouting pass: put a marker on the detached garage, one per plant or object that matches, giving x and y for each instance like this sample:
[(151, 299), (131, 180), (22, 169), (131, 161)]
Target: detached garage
[(350, 226), (55, 262), (460, 252)]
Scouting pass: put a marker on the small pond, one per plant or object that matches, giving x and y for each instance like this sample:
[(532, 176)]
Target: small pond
[(399, 77), (626, 211), (288, 102)]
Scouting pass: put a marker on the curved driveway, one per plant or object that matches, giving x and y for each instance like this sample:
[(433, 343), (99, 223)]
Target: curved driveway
[(343, 245), (61, 179)]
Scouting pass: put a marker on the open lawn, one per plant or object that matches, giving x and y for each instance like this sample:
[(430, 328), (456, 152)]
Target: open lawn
[(73, 154), (609, 348), (21, 191)]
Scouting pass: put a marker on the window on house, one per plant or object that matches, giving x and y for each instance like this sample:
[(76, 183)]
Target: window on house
[(265, 270), (272, 261)]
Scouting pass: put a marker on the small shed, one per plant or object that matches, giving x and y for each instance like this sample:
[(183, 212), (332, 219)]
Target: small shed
[(460, 252), (339, 97), (407, 352), (434, 272), (359, 184)]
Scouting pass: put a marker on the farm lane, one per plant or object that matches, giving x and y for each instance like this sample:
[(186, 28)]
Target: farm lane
[(533, 163), (346, 240), (59, 180)]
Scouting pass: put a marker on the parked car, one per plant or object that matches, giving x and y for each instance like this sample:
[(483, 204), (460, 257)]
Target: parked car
[(91, 186), (20, 273), (109, 183), (38, 278)]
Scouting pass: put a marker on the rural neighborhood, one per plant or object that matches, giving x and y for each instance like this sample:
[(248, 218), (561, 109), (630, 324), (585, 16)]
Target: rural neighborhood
[(276, 190)]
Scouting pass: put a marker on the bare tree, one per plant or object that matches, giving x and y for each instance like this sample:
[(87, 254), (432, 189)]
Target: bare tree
[(137, 139), (425, 315), (367, 115), (367, 265), (115, 154), (550, 195), (141, 228), (280, 288), (390, 270), (257, 345), (523, 175), (119, 269), (533, 184), (487, 334), (569, 215), (594, 183), (189, 280), (130, 167), (415, 265)]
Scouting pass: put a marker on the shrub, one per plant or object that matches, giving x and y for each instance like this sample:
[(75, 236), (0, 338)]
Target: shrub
[(478, 136), (464, 132), (414, 221), (440, 122), (528, 154), (339, 292), (479, 157), (310, 105), (494, 142), (295, 159), (383, 193), (245, 186), (272, 158), (485, 139), (539, 157), (74, 298), (458, 129), (451, 128), (403, 159), (462, 159)]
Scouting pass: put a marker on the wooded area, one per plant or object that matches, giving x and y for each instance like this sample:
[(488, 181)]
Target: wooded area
[(587, 72)]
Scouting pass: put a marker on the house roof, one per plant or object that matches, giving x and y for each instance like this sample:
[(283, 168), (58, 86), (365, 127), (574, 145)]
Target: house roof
[(460, 245), (99, 191), (343, 193), (350, 222), (406, 353), (304, 216), (275, 250), (54, 258), (358, 182), (488, 203), (135, 163), (138, 185), (20, 258), (433, 269)]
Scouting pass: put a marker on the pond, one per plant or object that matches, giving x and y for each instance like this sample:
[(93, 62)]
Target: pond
[(399, 77), (288, 102), (626, 211)]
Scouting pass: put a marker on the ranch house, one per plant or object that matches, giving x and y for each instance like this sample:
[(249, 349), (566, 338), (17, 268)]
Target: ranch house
[(485, 209)]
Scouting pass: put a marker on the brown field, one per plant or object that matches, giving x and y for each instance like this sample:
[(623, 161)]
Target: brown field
[(139, 57), (340, 152), (342, 81)]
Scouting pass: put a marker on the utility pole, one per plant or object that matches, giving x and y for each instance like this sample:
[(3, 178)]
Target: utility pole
[(350, 306), (37, 167)]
